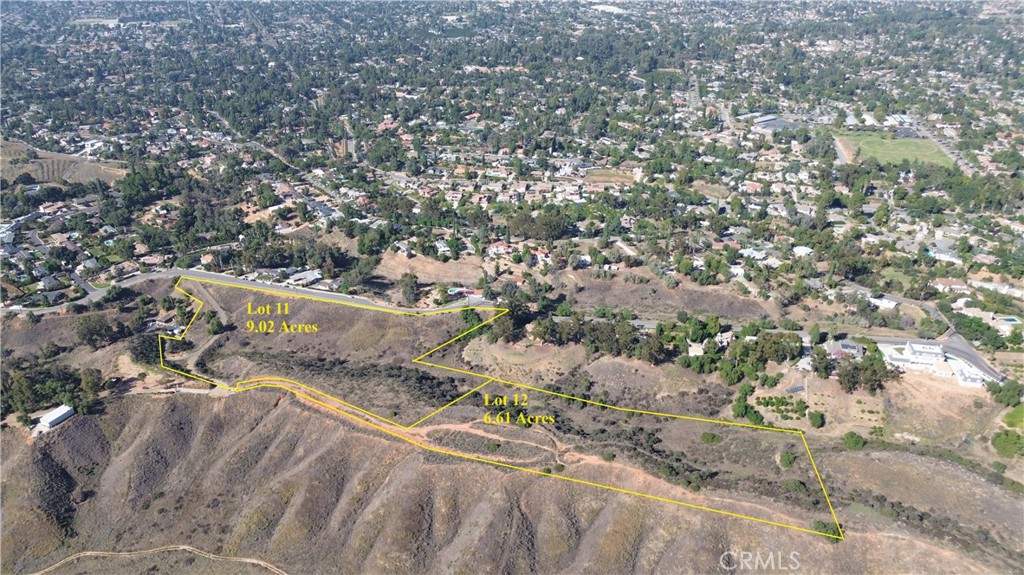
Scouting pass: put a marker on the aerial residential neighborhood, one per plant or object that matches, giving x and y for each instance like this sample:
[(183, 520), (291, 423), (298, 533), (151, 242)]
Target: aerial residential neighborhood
[(792, 218)]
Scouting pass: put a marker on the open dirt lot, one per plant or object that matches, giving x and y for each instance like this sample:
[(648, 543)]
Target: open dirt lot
[(360, 356), (465, 271), (655, 300)]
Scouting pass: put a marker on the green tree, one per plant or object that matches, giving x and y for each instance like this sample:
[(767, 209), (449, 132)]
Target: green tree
[(215, 326), (409, 283), (816, 418), (821, 362), (1008, 443), (815, 334), (852, 440), (93, 330)]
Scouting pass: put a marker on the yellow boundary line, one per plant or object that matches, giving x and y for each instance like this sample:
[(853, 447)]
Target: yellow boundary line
[(255, 383)]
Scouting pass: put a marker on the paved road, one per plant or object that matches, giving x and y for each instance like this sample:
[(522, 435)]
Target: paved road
[(954, 345), (231, 280), (928, 308)]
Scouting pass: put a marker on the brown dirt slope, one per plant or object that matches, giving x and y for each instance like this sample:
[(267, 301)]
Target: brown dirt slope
[(259, 475)]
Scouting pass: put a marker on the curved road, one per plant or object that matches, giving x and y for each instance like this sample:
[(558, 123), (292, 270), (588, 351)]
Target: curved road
[(954, 345), (231, 280)]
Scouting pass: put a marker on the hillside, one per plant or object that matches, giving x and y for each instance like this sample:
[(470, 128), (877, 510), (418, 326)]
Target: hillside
[(261, 475)]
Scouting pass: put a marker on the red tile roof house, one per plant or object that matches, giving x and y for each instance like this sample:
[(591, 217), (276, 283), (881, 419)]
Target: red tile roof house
[(500, 249)]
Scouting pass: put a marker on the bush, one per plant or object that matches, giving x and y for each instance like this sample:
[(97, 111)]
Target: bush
[(795, 485), (852, 440), (787, 459), (1008, 443), (608, 456), (828, 529), (817, 419), (710, 438)]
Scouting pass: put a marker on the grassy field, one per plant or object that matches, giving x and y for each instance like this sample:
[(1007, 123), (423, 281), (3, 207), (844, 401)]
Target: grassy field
[(608, 175), (1015, 418), (892, 151)]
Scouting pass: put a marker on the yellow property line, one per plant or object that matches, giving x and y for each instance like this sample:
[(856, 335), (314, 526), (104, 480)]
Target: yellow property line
[(263, 382)]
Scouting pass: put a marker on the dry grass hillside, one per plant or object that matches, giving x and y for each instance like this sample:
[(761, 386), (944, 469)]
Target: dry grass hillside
[(260, 475)]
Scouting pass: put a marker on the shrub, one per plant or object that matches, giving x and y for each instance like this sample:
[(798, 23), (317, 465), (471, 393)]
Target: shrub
[(853, 440), (795, 485), (817, 419), (828, 529), (710, 438), (787, 459), (1008, 443)]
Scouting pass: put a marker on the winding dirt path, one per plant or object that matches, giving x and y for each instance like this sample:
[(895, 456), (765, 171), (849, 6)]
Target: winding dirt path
[(164, 549)]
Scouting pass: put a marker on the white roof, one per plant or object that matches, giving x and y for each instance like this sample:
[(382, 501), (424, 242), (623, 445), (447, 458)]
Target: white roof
[(56, 415)]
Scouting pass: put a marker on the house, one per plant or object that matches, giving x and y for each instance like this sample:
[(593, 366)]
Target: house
[(944, 255), (54, 418), (841, 349), (947, 285), (967, 374), (500, 249), (305, 278), (753, 254), (884, 303), (924, 353), (49, 283), (916, 356)]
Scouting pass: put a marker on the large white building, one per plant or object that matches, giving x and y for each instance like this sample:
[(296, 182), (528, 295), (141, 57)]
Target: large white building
[(54, 418)]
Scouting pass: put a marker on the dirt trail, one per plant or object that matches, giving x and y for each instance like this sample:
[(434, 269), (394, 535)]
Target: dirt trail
[(639, 481), (187, 548)]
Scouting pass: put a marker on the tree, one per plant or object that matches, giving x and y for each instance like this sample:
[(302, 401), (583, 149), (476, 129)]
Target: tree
[(93, 330), (408, 284), (215, 326), (145, 349), (815, 334), (1008, 443), (821, 362), (816, 418), (828, 529), (91, 383), (1008, 393), (882, 214), (871, 373), (852, 440)]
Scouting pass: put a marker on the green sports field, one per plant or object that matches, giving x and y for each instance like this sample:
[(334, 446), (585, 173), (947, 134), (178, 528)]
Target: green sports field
[(891, 151)]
